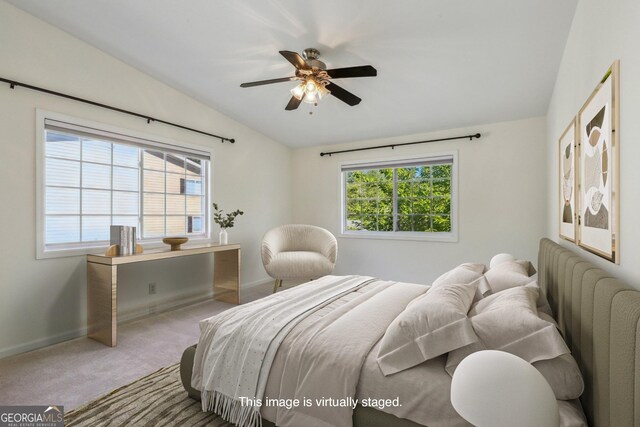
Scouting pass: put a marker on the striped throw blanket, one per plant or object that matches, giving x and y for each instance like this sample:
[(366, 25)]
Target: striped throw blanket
[(237, 347)]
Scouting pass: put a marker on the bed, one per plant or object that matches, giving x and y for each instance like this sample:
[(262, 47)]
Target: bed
[(578, 294)]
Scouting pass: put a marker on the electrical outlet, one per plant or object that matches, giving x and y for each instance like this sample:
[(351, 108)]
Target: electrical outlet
[(152, 288)]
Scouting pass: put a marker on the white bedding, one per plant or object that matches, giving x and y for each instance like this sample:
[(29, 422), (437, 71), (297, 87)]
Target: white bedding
[(322, 361), (331, 352), (236, 348), (424, 393)]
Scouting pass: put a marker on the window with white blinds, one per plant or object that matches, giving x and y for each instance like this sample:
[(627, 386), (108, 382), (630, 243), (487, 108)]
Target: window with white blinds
[(95, 178), (412, 198)]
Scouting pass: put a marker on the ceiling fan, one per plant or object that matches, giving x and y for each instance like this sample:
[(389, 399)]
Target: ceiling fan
[(315, 79)]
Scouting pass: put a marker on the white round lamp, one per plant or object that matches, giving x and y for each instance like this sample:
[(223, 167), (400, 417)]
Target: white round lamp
[(500, 258), (496, 389)]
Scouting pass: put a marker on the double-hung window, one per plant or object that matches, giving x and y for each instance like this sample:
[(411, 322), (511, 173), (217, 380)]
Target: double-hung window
[(410, 199), (93, 178)]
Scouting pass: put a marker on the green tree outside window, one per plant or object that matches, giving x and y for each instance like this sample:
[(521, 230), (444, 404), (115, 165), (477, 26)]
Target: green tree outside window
[(422, 195)]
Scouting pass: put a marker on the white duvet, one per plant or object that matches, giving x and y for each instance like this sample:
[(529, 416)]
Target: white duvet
[(306, 356)]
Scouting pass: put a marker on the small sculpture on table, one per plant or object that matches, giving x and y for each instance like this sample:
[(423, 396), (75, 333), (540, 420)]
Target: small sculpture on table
[(175, 242)]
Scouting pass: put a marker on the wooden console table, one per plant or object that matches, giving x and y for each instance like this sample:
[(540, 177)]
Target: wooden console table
[(102, 283)]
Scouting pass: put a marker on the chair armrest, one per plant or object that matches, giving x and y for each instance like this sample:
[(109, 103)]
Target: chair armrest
[(329, 246), (267, 252), (271, 246)]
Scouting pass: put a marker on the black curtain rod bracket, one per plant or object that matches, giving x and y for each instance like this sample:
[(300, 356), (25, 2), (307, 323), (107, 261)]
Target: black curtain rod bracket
[(393, 146), (13, 84)]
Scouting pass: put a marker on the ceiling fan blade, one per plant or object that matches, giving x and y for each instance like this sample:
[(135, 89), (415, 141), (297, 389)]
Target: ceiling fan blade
[(267, 82), (343, 95), (295, 59), (360, 71), (293, 103)]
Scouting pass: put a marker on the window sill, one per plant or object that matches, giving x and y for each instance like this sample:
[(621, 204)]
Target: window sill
[(427, 237), (101, 247)]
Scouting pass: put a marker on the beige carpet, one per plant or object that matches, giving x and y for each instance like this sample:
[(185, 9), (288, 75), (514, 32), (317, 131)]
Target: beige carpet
[(78, 371), (155, 400)]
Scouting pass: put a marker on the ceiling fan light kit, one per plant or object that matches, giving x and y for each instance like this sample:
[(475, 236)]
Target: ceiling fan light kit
[(314, 80), (312, 89)]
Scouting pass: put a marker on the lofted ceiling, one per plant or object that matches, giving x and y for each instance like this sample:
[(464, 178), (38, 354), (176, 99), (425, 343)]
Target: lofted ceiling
[(441, 64)]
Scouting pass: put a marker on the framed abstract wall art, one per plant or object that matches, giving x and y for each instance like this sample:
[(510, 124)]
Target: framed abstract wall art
[(598, 167), (567, 156)]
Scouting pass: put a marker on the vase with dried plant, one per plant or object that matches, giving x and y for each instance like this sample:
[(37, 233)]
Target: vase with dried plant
[(224, 221)]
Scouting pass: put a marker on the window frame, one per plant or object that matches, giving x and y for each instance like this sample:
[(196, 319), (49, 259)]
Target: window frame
[(451, 236), (76, 249)]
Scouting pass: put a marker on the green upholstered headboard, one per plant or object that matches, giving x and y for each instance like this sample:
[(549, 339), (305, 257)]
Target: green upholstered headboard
[(599, 316)]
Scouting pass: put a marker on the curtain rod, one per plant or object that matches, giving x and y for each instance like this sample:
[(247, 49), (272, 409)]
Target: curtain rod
[(392, 146), (149, 119)]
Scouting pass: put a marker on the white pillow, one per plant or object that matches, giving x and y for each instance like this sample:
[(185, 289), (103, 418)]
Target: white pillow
[(531, 270), (509, 321), (499, 258), (549, 318), (463, 274), (483, 288), (431, 325), (513, 266), (542, 304), (563, 375), (507, 274)]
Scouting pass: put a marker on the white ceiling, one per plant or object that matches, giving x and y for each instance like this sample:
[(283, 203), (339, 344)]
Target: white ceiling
[(441, 64)]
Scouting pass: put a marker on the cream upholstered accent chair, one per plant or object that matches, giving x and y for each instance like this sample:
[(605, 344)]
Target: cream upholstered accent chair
[(298, 251)]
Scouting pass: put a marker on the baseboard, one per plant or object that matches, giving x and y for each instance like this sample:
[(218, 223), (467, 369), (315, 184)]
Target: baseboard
[(42, 342), (130, 315)]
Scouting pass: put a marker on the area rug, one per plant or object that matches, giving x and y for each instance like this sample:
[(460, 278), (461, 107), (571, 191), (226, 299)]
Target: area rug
[(155, 400)]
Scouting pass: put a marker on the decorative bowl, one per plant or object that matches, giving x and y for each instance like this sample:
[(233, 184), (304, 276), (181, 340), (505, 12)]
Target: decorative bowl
[(175, 242)]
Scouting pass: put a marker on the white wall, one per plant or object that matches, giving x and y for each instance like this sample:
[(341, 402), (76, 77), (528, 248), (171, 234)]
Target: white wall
[(43, 301), (501, 190), (602, 32)]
